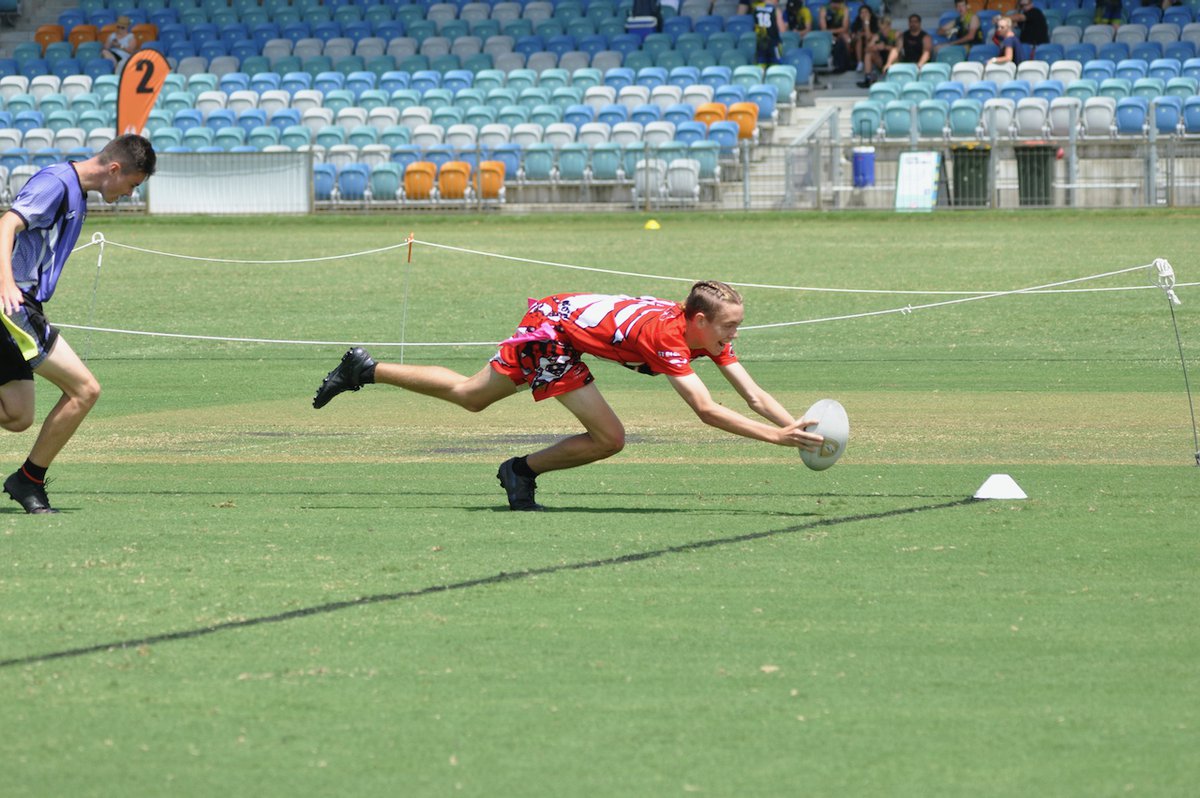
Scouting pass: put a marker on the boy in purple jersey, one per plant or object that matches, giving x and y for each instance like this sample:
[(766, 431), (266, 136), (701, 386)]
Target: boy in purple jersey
[(37, 235)]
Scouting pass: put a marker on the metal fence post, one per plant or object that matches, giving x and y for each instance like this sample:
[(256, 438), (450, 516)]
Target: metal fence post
[(744, 146), (836, 155), (1072, 157), (993, 162), (1152, 157)]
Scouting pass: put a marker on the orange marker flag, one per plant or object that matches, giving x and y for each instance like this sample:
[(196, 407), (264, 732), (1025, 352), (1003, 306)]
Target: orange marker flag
[(142, 79)]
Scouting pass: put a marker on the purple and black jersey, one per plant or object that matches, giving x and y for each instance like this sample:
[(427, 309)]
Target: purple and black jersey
[(53, 206)]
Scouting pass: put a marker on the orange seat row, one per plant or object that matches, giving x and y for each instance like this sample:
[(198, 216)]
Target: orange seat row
[(744, 113), (47, 34), (453, 180)]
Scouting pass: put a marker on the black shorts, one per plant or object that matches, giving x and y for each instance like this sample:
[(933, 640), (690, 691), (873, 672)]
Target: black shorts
[(22, 352)]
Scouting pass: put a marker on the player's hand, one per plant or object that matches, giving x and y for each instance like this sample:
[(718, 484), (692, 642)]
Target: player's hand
[(795, 434), (11, 298)]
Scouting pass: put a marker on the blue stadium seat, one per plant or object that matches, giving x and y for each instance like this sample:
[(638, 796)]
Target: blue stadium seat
[(1048, 89), (352, 181), (726, 135), (865, 118), (1168, 114), (324, 177), (949, 90), (1191, 115), (1131, 116), (964, 118)]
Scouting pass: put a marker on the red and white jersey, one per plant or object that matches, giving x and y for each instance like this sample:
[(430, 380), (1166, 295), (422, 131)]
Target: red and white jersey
[(642, 333)]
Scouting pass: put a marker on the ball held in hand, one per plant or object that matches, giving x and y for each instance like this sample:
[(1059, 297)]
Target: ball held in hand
[(831, 423)]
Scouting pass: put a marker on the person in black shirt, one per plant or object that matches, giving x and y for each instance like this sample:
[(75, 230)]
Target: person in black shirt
[(1032, 23), (915, 45)]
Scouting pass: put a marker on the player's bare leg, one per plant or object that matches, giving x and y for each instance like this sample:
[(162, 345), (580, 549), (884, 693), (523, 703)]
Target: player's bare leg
[(473, 393), (80, 391), (16, 405), (604, 436)]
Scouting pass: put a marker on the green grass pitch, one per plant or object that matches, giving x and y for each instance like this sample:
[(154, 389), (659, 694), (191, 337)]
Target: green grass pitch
[(246, 596)]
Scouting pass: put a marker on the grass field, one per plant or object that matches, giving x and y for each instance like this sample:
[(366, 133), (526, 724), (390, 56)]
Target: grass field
[(246, 596)]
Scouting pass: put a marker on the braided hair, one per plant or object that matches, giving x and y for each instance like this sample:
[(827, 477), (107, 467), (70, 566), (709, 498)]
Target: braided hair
[(707, 297)]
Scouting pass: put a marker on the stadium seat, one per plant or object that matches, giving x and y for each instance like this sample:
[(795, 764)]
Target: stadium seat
[(324, 177), (932, 118), (1191, 115), (1168, 114), (1030, 118), (1064, 115), (1131, 116), (866, 117), (1099, 117)]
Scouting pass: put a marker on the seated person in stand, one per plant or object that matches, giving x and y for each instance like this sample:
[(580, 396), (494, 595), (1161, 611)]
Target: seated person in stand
[(1007, 41), (120, 44), (914, 47), (963, 30)]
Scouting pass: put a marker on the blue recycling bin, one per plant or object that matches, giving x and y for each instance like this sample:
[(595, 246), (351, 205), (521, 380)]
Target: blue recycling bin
[(863, 161)]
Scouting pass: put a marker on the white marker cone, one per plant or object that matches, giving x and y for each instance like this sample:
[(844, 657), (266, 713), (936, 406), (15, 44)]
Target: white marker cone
[(1000, 486)]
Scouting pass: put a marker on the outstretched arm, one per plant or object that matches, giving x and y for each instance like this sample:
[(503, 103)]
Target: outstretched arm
[(788, 432), (756, 398)]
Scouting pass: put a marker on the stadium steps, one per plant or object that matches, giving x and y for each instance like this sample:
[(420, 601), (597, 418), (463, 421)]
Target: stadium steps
[(42, 12)]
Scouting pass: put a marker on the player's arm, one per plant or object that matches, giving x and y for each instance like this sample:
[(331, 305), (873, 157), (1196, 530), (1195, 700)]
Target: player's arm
[(10, 296), (756, 398), (693, 391)]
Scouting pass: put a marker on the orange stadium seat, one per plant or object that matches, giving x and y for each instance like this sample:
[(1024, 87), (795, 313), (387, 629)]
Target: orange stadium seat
[(453, 180), (82, 33), (489, 180), (48, 34), (746, 116), (145, 32), (418, 181), (710, 112)]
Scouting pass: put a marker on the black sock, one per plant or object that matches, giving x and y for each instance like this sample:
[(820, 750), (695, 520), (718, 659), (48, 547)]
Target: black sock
[(35, 473), (521, 468), (367, 375)]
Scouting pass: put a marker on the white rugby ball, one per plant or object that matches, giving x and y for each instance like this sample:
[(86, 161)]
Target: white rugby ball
[(832, 424)]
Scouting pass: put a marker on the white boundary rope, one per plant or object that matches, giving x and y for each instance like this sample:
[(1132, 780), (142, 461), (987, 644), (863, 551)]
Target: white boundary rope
[(963, 296)]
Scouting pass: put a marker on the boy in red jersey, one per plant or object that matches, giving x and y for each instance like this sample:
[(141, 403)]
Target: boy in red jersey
[(651, 336)]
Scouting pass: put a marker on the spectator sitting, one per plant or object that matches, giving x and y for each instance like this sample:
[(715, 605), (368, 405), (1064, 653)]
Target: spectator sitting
[(914, 47), (963, 30), (877, 52), (863, 31), (835, 18), (120, 44), (1006, 40), (1032, 23), (797, 17)]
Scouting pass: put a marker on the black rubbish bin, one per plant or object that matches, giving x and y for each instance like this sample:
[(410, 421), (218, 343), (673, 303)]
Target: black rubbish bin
[(971, 174), (1035, 173)]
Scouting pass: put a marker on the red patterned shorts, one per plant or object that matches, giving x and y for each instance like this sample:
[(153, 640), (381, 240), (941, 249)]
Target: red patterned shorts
[(537, 355)]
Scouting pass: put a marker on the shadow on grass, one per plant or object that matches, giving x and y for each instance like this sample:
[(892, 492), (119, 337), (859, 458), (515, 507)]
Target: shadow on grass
[(495, 579)]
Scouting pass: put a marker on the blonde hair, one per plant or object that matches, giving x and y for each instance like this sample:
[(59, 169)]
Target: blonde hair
[(707, 297)]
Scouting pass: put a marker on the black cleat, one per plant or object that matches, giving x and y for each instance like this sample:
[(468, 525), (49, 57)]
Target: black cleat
[(519, 489), (348, 376), (28, 494)]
